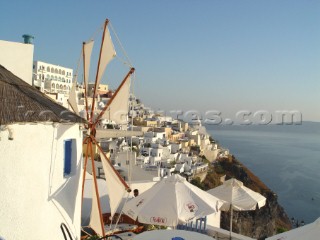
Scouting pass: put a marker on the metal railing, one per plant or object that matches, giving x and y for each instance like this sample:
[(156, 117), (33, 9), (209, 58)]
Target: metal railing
[(64, 228)]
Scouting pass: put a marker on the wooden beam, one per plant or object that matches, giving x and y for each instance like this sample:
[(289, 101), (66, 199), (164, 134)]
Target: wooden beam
[(114, 133)]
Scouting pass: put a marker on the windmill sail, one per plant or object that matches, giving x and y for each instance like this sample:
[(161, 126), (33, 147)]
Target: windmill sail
[(118, 108), (120, 89), (95, 221), (87, 50), (72, 100), (107, 53), (115, 187)]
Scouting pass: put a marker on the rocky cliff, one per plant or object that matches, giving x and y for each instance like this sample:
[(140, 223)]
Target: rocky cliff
[(260, 223)]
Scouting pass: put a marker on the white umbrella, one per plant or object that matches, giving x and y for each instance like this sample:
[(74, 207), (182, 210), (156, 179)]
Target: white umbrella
[(237, 197), (171, 201), (309, 231)]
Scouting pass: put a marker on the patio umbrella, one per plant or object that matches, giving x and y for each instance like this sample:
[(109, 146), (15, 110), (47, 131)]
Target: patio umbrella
[(309, 231), (237, 197), (171, 201)]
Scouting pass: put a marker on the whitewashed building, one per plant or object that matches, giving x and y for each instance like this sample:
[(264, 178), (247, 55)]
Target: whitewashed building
[(52, 78), (17, 57), (40, 174)]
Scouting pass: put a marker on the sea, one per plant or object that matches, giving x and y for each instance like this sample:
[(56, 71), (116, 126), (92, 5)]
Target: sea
[(285, 157)]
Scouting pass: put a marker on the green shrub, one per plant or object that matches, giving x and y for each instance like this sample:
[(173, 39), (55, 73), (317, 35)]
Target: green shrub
[(219, 169), (281, 230), (197, 182)]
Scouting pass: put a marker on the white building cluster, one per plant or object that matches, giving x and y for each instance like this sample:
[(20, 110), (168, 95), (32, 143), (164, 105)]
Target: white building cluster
[(167, 146), (50, 78)]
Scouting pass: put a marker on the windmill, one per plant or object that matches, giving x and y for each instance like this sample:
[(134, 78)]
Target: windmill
[(111, 110)]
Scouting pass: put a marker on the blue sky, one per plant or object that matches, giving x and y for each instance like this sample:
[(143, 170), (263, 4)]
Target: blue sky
[(199, 55)]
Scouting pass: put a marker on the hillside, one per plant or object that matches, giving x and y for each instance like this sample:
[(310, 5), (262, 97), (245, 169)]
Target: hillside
[(260, 223)]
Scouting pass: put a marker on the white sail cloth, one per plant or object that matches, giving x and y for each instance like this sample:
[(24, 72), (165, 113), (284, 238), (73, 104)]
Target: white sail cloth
[(118, 108), (309, 231), (116, 192), (107, 53), (72, 100), (170, 202), (95, 222), (116, 189), (87, 50)]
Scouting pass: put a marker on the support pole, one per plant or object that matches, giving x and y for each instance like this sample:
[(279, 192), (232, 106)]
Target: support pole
[(86, 82), (231, 216), (94, 175), (84, 168), (95, 84)]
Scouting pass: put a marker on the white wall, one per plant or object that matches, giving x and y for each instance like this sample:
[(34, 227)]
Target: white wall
[(46, 73), (175, 147), (211, 155), (124, 158), (17, 58), (160, 135), (35, 196), (214, 219), (156, 152)]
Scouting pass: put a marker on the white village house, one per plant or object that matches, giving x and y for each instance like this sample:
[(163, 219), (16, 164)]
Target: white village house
[(41, 162)]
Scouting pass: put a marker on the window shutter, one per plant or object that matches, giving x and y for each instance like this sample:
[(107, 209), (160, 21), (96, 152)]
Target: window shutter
[(67, 156)]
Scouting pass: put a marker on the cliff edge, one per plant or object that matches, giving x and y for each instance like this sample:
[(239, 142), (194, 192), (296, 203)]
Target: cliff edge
[(261, 223)]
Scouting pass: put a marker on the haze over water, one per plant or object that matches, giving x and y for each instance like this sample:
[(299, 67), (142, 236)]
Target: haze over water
[(285, 158)]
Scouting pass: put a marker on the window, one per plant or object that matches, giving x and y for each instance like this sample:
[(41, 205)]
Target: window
[(69, 156)]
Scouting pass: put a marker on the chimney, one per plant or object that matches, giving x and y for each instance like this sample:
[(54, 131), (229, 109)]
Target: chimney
[(28, 39)]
